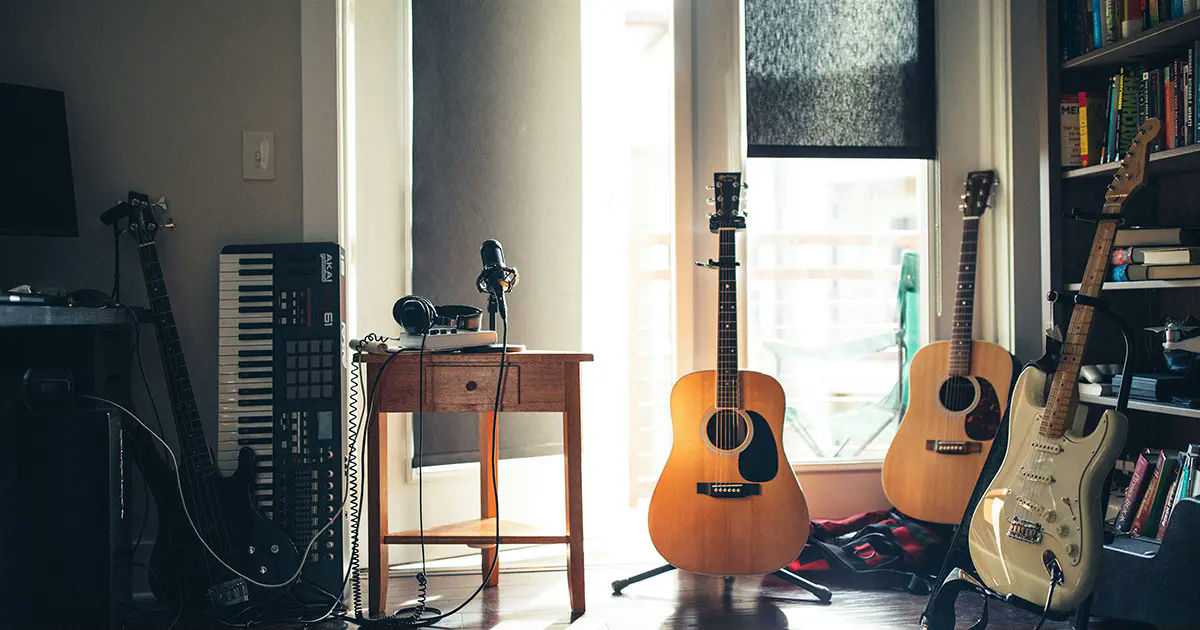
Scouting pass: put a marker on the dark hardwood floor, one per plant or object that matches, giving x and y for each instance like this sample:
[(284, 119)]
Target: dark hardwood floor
[(678, 600)]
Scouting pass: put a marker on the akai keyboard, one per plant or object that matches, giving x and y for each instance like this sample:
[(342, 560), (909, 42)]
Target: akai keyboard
[(280, 388)]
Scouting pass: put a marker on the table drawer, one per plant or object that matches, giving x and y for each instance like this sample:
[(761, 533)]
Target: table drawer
[(469, 387)]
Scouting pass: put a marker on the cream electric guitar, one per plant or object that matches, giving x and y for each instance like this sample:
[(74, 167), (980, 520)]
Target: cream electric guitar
[(727, 502), (1037, 531)]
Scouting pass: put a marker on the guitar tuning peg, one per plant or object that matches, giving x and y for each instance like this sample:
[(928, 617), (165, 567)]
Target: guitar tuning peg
[(168, 223), (745, 186), (708, 187), (710, 201), (161, 204)]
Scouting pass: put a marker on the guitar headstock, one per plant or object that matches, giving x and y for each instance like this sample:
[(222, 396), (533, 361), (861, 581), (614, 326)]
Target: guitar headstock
[(1132, 173), (977, 192), (139, 214), (727, 193)]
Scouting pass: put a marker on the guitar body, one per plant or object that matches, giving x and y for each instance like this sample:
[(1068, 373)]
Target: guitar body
[(183, 571), (933, 481), (1065, 508), (716, 535)]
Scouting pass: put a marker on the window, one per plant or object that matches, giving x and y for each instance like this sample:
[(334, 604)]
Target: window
[(824, 248)]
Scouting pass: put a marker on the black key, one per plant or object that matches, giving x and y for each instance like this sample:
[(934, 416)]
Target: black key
[(263, 374), (255, 325), (253, 441), (255, 261), (254, 288), (254, 391), (259, 457), (256, 272), (255, 353), (253, 419), (245, 299), (254, 403), (255, 430), (254, 337), (254, 364), (256, 309)]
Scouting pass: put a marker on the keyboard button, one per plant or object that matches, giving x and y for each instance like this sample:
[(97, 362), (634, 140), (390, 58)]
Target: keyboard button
[(291, 393), (328, 389), (291, 347), (291, 363), (327, 361), (303, 378), (326, 376), (327, 345), (291, 378), (302, 346), (302, 363)]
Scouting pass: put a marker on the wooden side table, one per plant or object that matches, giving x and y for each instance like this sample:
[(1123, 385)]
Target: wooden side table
[(534, 380)]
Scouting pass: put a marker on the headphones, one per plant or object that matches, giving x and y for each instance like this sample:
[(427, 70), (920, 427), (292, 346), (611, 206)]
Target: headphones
[(418, 315)]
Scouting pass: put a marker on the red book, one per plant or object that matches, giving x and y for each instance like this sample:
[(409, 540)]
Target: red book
[(1166, 511), (1143, 512), (1122, 255), (1146, 464)]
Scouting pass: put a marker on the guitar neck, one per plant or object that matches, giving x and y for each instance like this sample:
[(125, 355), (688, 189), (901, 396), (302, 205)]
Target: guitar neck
[(729, 394), (196, 460), (961, 334), (1058, 404)]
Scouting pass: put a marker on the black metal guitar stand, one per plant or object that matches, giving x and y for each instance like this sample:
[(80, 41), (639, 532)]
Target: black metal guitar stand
[(823, 594), (939, 611)]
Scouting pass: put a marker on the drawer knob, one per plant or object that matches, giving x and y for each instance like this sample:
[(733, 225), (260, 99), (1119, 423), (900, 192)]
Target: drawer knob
[(471, 385)]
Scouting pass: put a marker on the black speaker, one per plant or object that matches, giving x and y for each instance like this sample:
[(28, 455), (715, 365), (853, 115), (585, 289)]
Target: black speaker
[(64, 551)]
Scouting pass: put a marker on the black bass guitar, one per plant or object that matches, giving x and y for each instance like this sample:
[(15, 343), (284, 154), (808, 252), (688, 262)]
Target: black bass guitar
[(185, 572)]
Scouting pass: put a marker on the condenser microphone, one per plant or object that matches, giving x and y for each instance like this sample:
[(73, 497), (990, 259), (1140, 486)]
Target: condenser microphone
[(496, 279)]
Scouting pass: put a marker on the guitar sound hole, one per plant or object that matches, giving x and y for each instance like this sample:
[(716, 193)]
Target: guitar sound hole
[(727, 430), (957, 393)]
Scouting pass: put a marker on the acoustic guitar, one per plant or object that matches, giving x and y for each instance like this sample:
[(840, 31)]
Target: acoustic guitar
[(1038, 528), (727, 502), (959, 390)]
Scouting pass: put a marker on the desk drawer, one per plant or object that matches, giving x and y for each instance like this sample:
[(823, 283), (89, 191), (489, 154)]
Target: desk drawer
[(469, 387)]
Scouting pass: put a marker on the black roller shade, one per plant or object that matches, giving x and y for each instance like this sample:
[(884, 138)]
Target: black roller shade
[(840, 79)]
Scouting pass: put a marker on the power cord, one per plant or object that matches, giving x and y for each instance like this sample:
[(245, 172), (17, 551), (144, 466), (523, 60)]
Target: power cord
[(412, 617)]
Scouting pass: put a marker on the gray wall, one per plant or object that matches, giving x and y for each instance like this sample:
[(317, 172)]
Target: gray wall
[(497, 153), (158, 94)]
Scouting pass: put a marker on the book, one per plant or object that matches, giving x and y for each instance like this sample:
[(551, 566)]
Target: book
[(1096, 389), (1152, 9), (1150, 510), (1161, 386), (1189, 130), (1135, 236), (1131, 18), (1194, 456), (1176, 8), (1085, 148), (1112, 26), (1127, 273), (1169, 106), (1155, 98), (1114, 106), (1168, 503), (1160, 255), (1146, 462), (1070, 131), (1097, 12), (1129, 123)]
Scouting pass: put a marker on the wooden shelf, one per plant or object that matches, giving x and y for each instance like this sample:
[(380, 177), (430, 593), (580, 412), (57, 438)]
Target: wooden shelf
[(1168, 161), (1142, 405), (1142, 284), (1164, 38), (477, 533)]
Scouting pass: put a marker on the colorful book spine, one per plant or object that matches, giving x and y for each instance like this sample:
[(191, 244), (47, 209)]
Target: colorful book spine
[(1112, 26), (1154, 92), (1120, 273), (1098, 23), (1189, 91), (1131, 18), (1168, 504), (1122, 255), (1143, 513), (1169, 106), (1129, 122), (1069, 131), (1110, 137), (1083, 130), (1153, 9), (1137, 488)]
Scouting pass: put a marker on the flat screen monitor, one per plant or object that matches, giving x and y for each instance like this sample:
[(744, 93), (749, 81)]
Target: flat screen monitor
[(37, 193)]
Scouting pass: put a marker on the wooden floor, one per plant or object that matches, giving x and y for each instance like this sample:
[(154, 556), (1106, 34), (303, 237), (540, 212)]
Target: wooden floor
[(679, 600)]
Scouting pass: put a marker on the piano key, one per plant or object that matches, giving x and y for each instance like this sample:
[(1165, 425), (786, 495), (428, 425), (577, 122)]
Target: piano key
[(239, 256), (255, 323)]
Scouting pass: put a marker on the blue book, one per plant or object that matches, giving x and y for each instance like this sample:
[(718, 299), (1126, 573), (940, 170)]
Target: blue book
[(1097, 23), (1176, 8), (1119, 274)]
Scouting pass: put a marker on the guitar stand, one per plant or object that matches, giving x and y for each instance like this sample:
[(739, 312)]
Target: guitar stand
[(824, 595), (939, 612)]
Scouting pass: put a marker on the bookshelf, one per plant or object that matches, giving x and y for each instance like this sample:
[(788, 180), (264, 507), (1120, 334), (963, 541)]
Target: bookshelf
[(1168, 199)]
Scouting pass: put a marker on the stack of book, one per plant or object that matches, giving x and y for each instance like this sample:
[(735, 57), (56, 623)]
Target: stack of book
[(1161, 387), (1171, 253), (1160, 480), (1099, 126), (1086, 25)]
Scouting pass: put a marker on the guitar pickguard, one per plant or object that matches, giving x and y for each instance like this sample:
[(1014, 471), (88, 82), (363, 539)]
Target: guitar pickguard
[(758, 461), (983, 421)]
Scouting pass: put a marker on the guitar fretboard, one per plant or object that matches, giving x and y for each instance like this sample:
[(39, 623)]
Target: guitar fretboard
[(1056, 418), (964, 300), (728, 384)]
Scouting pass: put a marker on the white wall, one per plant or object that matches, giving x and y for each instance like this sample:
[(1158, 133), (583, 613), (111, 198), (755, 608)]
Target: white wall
[(158, 94)]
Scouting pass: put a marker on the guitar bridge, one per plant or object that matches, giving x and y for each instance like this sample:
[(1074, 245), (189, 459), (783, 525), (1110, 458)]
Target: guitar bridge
[(1025, 531), (228, 593), (953, 447), (728, 490)]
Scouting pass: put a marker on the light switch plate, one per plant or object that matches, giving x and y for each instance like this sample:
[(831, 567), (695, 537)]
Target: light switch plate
[(258, 155)]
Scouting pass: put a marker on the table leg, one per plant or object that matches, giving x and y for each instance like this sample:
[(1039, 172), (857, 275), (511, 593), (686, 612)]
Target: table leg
[(377, 479), (488, 454), (572, 462)]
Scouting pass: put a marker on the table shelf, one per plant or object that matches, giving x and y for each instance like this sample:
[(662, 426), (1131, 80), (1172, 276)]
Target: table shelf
[(478, 533)]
